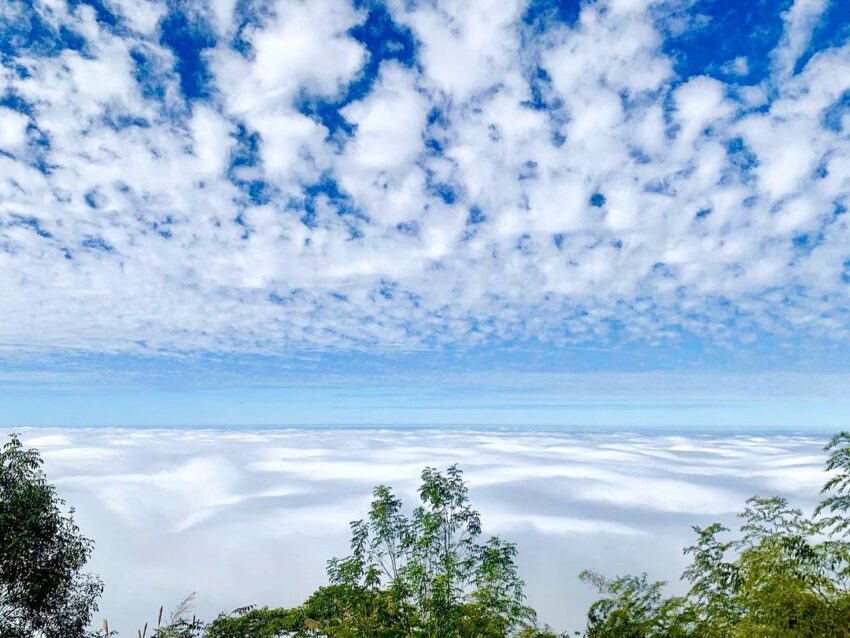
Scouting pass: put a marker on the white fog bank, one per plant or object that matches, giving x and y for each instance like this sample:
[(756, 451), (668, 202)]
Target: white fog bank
[(250, 516)]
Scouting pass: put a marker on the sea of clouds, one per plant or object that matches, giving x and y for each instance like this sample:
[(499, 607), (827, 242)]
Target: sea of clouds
[(250, 516)]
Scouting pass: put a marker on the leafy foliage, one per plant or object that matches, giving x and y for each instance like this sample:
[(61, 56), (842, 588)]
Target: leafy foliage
[(633, 607), (783, 575), (43, 590), (433, 565), (786, 579), (424, 575), (181, 623), (837, 503)]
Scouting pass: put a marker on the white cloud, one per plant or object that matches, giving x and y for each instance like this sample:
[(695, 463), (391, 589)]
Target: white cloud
[(13, 129), (304, 48), (738, 66), (389, 123), (699, 103), (143, 15), (800, 20), (467, 47), (700, 188)]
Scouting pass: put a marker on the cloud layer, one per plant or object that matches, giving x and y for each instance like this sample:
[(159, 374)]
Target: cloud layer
[(236, 176), (249, 516)]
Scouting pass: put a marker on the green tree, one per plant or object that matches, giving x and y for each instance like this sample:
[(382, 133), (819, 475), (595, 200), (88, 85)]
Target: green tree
[(780, 577), (250, 622), (423, 575), (340, 611), (789, 581), (634, 607), (714, 579), (43, 590), (836, 505), (433, 563)]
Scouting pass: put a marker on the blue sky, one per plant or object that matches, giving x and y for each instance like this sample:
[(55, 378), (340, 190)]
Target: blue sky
[(240, 211)]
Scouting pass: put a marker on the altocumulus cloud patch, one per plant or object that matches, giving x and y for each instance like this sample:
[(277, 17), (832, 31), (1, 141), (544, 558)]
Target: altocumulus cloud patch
[(246, 175), (250, 516)]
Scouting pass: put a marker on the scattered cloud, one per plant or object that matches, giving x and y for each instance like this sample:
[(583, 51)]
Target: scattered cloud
[(275, 175)]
